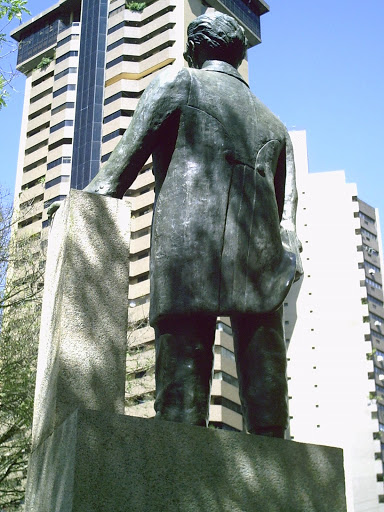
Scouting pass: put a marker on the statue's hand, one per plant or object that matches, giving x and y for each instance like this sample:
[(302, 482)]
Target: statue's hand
[(292, 244), (53, 208), (102, 187)]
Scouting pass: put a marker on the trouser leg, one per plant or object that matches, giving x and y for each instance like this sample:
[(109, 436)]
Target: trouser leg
[(184, 363), (261, 365)]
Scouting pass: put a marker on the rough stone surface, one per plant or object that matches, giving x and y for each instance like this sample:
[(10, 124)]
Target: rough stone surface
[(82, 348), (95, 462)]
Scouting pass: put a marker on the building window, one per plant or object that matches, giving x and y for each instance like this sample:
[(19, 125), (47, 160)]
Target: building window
[(224, 352), (373, 283), (55, 181), (72, 53), (368, 233), (68, 87), (66, 122), (366, 218), (224, 402), (220, 375), (65, 72)]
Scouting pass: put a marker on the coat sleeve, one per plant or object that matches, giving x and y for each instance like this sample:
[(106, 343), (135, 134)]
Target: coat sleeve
[(162, 99), (288, 206)]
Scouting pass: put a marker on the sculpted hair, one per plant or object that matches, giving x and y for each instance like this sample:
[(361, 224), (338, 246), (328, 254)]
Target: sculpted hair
[(220, 36)]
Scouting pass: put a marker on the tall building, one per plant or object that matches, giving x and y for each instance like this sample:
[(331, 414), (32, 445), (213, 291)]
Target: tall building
[(86, 65), (333, 329)]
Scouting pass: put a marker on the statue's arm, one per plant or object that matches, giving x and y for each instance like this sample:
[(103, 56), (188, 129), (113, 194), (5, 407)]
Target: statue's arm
[(162, 99), (288, 218)]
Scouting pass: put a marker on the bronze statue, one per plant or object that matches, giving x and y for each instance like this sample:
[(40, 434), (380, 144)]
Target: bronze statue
[(223, 232)]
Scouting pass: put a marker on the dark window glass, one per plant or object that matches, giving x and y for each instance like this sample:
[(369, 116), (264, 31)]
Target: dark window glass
[(55, 181), (72, 53), (68, 87)]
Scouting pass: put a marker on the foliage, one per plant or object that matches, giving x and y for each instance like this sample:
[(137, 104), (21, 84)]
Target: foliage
[(135, 6), (20, 296), (9, 10), (44, 63)]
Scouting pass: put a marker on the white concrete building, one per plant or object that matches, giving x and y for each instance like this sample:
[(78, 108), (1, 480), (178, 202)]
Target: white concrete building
[(331, 384)]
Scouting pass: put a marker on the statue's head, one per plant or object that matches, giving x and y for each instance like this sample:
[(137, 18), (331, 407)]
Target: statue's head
[(215, 36)]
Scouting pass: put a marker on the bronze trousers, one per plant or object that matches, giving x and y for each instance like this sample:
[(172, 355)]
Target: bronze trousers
[(184, 367)]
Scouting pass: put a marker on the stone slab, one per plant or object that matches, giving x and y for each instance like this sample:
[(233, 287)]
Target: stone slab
[(82, 348), (95, 462)]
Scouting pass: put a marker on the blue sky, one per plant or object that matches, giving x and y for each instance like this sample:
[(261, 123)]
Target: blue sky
[(320, 68)]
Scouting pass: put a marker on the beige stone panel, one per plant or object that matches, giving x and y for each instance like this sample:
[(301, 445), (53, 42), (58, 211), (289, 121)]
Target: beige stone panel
[(67, 114), (37, 89), (64, 150), (225, 364), (128, 15), (34, 173), (139, 49), (57, 190), (223, 339), (68, 96), (41, 102), (137, 68), (139, 386), (145, 410), (141, 361), (138, 290), (139, 267), (27, 195), (63, 133), (38, 105), (121, 103), (38, 121), (116, 18), (138, 313), (156, 7), (59, 170), (222, 414), (38, 73), (140, 336), (71, 62), (30, 230), (71, 78), (140, 32), (30, 209), (73, 44), (37, 138), (146, 178), (141, 222), (32, 157), (140, 244), (128, 85), (142, 200), (222, 388)]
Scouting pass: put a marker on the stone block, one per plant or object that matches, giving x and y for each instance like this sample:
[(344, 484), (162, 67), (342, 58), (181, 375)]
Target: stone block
[(82, 349), (96, 462)]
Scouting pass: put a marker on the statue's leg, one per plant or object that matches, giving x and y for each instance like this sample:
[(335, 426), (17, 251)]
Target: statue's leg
[(261, 365), (184, 363)]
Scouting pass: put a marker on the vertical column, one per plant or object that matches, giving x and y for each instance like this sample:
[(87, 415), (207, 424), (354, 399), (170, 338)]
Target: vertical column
[(82, 350), (90, 93)]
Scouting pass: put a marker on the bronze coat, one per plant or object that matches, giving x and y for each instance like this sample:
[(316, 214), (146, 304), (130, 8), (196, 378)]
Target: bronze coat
[(219, 166), (220, 159)]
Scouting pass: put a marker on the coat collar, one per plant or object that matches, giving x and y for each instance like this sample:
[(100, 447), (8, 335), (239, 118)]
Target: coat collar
[(222, 67)]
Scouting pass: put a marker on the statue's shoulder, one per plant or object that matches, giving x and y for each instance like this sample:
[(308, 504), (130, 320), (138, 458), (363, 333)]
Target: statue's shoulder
[(171, 77), (266, 116)]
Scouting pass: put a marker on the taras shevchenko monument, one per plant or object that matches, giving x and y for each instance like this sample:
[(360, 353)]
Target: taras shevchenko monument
[(223, 231)]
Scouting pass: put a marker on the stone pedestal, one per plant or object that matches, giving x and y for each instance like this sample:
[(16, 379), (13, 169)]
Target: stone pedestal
[(83, 335), (96, 462)]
